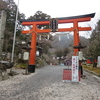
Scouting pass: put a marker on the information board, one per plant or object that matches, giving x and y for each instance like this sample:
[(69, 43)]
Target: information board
[(26, 56), (75, 67)]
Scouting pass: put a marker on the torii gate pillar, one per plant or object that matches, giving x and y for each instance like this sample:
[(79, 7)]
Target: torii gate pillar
[(31, 66), (76, 37)]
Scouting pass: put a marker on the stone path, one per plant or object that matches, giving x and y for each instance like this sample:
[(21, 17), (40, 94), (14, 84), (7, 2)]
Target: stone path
[(46, 84)]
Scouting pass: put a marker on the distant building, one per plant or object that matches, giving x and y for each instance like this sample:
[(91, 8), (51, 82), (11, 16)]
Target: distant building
[(2, 29)]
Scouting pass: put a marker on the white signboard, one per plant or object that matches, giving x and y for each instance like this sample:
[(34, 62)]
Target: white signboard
[(75, 67), (80, 54), (26, 56), (98, 63)]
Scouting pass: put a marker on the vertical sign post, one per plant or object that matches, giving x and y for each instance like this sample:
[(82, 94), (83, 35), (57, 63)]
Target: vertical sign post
[(75, 67), (26, 58)]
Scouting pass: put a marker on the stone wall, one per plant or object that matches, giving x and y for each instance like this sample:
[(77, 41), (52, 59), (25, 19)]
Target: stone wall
[(2, 29)]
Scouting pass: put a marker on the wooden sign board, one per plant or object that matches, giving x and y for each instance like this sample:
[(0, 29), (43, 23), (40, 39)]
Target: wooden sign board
[(26, 56), (75, 67)]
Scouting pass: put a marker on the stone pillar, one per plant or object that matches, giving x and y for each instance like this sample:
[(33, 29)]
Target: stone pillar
[(2, 29)]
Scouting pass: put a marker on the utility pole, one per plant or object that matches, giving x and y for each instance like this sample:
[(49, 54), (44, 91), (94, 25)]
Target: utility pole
[(12, 56)]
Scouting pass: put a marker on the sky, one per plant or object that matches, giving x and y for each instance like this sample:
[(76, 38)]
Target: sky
[(61, 8)]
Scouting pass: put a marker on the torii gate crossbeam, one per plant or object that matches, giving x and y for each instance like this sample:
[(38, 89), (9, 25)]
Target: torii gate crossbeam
[(75, 29)]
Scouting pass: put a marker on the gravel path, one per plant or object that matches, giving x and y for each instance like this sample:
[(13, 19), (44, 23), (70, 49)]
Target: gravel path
[(46, 84)]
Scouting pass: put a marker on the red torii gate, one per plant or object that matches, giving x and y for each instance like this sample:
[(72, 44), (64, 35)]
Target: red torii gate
[(35, 30)]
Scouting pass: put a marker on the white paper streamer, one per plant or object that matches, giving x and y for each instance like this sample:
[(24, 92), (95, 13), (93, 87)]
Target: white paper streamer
[(48, 37), (67, 36), (40, 37)]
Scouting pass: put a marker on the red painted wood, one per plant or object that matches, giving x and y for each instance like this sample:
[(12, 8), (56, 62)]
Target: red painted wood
[(33, 47), (75, 29)]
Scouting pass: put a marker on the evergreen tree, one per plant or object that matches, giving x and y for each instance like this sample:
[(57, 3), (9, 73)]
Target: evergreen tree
[(93, 50), (10, 7)]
